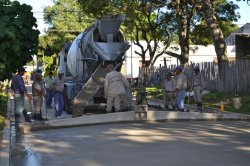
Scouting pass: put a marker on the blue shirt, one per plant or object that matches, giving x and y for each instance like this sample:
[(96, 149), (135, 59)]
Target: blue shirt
[(17, 84)]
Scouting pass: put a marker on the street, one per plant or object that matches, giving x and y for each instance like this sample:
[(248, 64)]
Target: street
[(194, 143)]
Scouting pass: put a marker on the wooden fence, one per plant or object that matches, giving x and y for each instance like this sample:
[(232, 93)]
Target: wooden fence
[(233, 77)]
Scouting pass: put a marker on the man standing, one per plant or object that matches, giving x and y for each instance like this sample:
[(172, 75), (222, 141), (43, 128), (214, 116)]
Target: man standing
[(126, 99), (38, 91), (181, 86), (19, 89), (114, 88), (49, 91), (57, 86), (198, 86), (169, 89)]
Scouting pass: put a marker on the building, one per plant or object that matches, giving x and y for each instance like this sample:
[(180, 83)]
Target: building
[(240, 38), (197, 54)]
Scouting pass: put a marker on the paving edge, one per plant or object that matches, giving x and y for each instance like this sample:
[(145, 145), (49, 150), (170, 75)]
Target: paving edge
[(5, 146), (152, 116)]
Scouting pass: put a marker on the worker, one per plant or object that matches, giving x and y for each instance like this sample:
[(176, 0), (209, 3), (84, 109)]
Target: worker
[(49, 91), (114, 88), (198, 86), (19, 89), (169, 92), (126, 99), (38, 91), (181, 86), (57, 86)]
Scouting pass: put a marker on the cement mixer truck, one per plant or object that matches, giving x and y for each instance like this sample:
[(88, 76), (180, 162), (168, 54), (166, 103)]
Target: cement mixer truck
[(86, 59)]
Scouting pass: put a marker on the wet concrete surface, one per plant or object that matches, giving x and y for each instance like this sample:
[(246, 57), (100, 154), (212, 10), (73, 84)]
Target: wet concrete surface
[(198, 143), (20, 153)]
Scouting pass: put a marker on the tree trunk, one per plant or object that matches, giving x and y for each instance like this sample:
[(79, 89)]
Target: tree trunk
[(183, 33), (216, 33)]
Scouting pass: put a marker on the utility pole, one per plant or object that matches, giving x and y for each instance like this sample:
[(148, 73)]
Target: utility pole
[(43, 63), (131, 59)]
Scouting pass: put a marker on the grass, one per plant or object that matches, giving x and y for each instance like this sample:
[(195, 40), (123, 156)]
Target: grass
[(154, 93), (210, 100), (3, 109), (214, 99)]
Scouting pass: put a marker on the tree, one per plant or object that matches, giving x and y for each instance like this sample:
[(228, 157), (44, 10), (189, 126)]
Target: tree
[(144, 21), (212, 21), (184, 12), (19, 39), (150, 25), (188, 16), (66, 21), (202, 30), (215, 30), (192, 27)]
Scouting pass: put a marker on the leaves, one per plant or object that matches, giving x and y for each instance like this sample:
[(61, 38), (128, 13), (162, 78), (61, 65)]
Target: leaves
[(18, 38)]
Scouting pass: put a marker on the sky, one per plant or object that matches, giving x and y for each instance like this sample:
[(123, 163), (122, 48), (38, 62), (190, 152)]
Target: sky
[(38, 6)]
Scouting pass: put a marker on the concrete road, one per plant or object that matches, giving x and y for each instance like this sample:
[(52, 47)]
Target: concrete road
[(198, 143)]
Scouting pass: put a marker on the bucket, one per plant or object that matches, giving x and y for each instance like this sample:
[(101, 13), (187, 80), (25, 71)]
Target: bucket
[(237, 102)]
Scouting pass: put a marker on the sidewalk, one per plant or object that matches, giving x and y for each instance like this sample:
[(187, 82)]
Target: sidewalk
[(131, 116)]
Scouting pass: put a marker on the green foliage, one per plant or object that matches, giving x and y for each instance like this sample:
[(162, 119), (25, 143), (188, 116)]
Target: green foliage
[(48, 62), (19, 39), (3, 109), (145, 20), (154, 93), (210, 100), (214, 99), (203, 32), (158, 19), (66, 21)]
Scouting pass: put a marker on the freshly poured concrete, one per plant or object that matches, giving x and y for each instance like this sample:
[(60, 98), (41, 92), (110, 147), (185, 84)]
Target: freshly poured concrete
[(194, 143)]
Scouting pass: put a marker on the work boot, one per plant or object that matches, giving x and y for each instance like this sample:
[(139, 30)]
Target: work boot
[(40, 117), (199, 106), (36, 117), (26, 116), (181, 110)]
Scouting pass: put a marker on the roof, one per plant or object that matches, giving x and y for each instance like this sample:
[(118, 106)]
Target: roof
[(244, 30)]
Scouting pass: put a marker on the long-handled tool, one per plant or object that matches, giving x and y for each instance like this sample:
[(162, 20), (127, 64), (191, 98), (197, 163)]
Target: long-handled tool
[(30, 114), (46, 110), (189, 93), (30, 107)]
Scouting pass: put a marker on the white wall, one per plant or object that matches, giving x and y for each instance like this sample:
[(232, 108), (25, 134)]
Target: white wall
[(201, 54)]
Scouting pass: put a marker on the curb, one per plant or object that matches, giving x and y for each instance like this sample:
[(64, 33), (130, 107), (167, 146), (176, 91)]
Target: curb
[(5, 148), (131, 116)]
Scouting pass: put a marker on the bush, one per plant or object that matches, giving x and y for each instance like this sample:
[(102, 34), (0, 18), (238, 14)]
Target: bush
[(3, 110)]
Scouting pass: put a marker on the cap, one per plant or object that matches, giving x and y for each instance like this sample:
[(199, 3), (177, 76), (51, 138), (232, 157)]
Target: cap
[(21, 69), (168, 74), (179, 68), (39, 71), (196, 68)]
